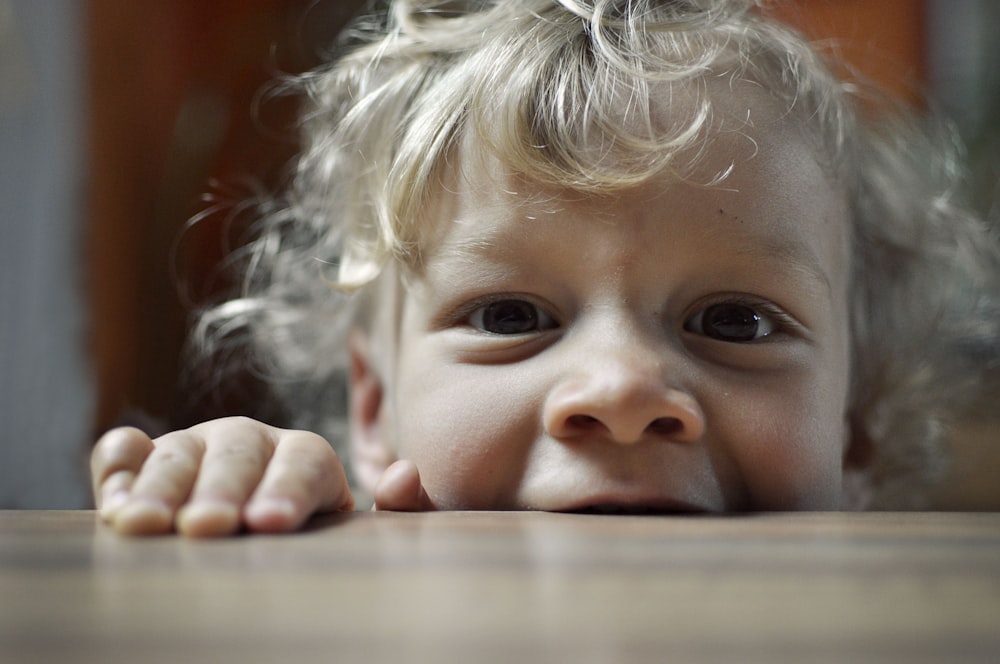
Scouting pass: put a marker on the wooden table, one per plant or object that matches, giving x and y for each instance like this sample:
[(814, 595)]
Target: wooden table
[(508, 587)]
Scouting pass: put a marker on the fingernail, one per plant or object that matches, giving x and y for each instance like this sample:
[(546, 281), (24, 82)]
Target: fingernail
[(208, 517), (111, 502), (143, 516), (210, 509), (271, 507), (272, 515)]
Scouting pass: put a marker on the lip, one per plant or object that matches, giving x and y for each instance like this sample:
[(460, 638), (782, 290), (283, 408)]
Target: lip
[(612, 507)]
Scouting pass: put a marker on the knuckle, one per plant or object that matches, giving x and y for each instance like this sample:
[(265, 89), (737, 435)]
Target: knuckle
[(240, 456), (237, 432), (307, 443), (236, 423), (120, 439), (119, 448), (179, 444)]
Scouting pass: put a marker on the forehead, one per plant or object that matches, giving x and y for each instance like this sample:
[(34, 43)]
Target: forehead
[(757, 161)]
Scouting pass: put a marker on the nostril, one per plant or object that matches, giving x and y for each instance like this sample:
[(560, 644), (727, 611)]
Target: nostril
[(661, 426), (583, 422), (665, 426)]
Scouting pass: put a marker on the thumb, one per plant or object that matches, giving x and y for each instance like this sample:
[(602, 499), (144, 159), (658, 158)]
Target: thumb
[(400, 490)]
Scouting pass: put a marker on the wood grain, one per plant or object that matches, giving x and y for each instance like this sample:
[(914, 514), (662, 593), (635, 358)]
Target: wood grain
[(505, 587)]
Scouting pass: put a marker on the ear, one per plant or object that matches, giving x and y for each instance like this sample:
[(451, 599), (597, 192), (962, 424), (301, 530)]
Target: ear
[(371, 453)]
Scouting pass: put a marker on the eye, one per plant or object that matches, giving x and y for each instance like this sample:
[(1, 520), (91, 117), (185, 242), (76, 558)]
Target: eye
[(732, 322), (511, 316)]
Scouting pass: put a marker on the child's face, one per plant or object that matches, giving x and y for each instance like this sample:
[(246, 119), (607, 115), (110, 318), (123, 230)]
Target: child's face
[(671, 347)]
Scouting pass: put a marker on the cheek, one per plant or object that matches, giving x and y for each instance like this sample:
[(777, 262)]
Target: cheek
[(468, 434), (788, 448)]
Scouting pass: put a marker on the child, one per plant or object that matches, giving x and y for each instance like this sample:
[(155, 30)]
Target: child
[(604, 256)]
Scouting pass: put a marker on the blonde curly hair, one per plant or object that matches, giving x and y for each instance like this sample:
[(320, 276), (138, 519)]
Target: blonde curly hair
[(537, 83)]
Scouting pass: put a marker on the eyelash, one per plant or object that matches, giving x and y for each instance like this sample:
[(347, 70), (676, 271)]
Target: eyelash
[(778, 320), (467, 314)]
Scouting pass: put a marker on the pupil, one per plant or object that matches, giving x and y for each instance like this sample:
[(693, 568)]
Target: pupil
[(730, 322), (510, 317)]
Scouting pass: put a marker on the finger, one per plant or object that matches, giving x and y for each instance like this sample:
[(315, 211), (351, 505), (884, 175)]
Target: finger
[(232, 466), (162, 485), (114, 463), (304, 477), (400, 490)]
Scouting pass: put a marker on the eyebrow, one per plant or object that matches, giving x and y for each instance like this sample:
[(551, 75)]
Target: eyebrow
[(791, 253), (781, 252)]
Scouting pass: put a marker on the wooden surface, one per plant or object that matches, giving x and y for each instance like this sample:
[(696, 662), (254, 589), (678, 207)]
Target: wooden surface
[(508, 587)]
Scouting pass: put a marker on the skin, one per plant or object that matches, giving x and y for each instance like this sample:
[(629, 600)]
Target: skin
[(620, 398)]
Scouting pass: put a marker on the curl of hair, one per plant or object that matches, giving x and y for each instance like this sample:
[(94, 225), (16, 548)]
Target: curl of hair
[(560, 90)]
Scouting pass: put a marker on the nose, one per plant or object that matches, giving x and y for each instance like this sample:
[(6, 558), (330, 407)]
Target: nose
[(622, 399)]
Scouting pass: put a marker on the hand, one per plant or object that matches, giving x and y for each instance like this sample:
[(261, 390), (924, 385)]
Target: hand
[(218, 477), (400, 490)]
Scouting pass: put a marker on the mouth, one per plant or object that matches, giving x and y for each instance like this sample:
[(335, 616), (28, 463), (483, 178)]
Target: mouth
[(618, 509)]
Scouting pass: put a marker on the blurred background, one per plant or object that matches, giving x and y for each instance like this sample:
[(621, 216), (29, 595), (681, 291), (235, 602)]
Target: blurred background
[(117, 116)]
